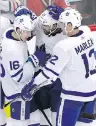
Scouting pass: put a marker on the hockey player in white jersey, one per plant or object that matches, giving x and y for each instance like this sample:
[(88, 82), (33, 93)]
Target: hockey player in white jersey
[(50, 37), (73, 61), (46, 38), (50, 40), (23, 10), (47, 35), (17, 68), (7, 8), (4, 24)]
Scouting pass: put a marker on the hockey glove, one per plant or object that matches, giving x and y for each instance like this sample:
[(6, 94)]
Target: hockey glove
[(55, 11), (29, 90), (39, 58), (43, 48)]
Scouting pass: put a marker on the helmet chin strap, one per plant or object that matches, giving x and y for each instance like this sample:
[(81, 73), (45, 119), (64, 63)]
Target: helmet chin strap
[(52, 31), (19, 35)]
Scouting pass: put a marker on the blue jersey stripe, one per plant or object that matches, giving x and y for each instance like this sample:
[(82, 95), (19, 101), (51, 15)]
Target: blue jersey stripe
[(51, 71), (52, 81), (20, 77), (82, 94), (13, 96), (21, 70), (45, 75)]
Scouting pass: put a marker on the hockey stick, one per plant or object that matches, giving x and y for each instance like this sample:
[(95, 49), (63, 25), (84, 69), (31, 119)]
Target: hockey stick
[(34, 90), (40, 107), (11, 101), (44, 114)]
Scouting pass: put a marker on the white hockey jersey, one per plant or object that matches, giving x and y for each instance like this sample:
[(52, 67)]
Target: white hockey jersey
[(85, 29), (74, 62), (16, 72), (7, 8), (49, 42)]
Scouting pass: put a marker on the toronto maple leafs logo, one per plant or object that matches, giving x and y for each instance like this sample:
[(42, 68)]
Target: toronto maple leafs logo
[(67, 13), (21, 20)]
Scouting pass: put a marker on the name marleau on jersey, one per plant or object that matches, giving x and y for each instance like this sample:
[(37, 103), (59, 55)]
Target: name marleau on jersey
[(84, 46)]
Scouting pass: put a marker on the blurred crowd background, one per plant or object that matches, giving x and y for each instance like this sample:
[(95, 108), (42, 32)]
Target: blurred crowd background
[(86, 7)]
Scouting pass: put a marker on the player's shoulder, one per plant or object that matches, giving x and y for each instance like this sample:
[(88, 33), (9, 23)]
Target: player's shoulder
[(7, 32), (7, 41), (85, 29), (67, 43)]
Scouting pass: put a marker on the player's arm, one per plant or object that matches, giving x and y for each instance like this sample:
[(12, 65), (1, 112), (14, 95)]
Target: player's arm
[(49, 74), (54, 66), (18, 72), (9, 6)]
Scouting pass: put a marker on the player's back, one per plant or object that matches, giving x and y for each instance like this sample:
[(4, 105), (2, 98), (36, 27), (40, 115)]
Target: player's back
[(80, 66)]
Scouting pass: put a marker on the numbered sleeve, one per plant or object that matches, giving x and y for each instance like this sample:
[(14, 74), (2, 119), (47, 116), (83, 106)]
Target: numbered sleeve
[(18, 71), (54, 66), (9, 6)]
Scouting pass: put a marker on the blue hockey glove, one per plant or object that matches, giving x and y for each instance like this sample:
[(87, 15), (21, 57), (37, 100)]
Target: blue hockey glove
[(25, 93), (43, 48), (55, 11), (39, 58), (29, 90)]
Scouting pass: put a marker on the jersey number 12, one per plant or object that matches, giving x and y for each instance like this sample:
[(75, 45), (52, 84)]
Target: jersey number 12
[(86, 63)]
